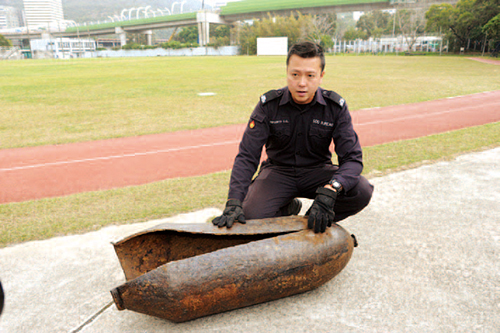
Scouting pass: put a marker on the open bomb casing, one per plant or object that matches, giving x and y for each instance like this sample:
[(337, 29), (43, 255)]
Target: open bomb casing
[(183, 272)]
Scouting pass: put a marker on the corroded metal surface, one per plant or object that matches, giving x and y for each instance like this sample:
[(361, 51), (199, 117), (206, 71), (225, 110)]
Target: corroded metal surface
[(252, 227), (183, 275), (151, 248)]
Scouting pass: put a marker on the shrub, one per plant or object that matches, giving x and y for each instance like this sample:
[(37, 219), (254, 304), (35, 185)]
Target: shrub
[(178, 45)]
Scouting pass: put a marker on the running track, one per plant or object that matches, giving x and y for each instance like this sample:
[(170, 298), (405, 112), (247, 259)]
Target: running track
[(48, 171)]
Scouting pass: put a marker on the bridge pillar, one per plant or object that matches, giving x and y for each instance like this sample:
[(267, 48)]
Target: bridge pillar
[(122, 34), (149, 36), (204, 18), (204, 33)]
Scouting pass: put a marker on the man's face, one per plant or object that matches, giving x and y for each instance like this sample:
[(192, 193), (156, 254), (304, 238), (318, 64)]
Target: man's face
[(304, 76)]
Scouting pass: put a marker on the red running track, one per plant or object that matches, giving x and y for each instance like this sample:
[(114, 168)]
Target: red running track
[(49, 171), (486, 61)]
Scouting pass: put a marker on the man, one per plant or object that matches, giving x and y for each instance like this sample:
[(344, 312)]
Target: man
[(297, 125)]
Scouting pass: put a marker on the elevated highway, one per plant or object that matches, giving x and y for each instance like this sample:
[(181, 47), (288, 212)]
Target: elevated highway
[(255, 9), (232, 12)]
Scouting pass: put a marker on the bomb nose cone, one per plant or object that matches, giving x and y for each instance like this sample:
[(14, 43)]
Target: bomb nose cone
[(118, 299)]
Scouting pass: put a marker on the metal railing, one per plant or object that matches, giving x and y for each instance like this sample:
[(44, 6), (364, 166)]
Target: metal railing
[(390, 45)]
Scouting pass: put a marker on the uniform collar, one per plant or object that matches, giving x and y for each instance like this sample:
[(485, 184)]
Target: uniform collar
[(319, 96), (287, 97)]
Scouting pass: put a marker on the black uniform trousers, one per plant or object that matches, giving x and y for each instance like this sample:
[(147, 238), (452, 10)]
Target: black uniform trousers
[(276, 186)]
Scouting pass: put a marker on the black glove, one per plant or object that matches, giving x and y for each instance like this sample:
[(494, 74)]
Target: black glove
[(1, 298), (232, 212), (321, 212)]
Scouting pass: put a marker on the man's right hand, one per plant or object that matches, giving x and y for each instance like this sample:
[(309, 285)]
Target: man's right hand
[(321, 213), (233, 212)]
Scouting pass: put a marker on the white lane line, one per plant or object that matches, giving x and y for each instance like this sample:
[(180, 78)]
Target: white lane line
[(226, 142), (424, 115), (472, 96), (118, 156)]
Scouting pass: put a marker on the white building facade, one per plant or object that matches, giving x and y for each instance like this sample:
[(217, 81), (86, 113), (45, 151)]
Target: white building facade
[(42, 13), (9, 17), (64, 48)]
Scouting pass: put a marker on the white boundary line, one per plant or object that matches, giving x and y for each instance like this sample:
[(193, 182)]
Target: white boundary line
[(104, 158), (423, 115), (162, 151), (434, 100)]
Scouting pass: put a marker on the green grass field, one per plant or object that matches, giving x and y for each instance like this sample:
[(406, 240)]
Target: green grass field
[(55, 101), (48, 102)]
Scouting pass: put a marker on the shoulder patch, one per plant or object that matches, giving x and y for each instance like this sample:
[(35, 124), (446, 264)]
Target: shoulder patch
[(332, 95), (270, 95)]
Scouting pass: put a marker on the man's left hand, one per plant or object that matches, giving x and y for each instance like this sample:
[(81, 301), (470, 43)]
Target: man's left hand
[(321, 213)]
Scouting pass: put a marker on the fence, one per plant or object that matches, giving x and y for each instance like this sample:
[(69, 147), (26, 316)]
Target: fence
[(10, 53), (160, 52), (389, 45)]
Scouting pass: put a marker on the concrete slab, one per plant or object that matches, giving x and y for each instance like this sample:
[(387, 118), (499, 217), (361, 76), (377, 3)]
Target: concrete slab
[(427, 262)]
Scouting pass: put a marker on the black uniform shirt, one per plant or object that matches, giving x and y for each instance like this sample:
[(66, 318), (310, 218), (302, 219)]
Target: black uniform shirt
[(298, 138)]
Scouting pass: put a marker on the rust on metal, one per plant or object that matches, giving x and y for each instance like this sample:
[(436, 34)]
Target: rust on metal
[(183, 272)]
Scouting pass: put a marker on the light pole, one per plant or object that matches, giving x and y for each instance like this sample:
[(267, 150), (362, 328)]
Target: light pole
[(138, 11), (394, 23), (29, 37), (173, 5), (130, 13)]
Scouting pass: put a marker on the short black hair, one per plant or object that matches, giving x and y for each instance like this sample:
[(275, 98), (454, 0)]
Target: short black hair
[(307, 50)]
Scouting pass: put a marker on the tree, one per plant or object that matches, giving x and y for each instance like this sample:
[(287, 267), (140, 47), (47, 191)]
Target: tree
[(219, 35), (353, 34), (344, 22), (187, 35), (375, 23), (219, 31), (486, 10), (296, 28), (439, 17), (492, 28), (247, 39), (319, 29), (4, 41), (463, 21), (411, 23), (487, 13), (392, 26), (322, 29), (326, 42)]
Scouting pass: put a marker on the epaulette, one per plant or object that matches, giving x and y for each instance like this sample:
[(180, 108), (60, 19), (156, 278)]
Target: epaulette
[(332, 95), (270, 95)]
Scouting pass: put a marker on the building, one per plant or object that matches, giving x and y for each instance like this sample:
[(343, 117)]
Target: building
[(42, 13), (108, 43), (63, 48), (9, 17)]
